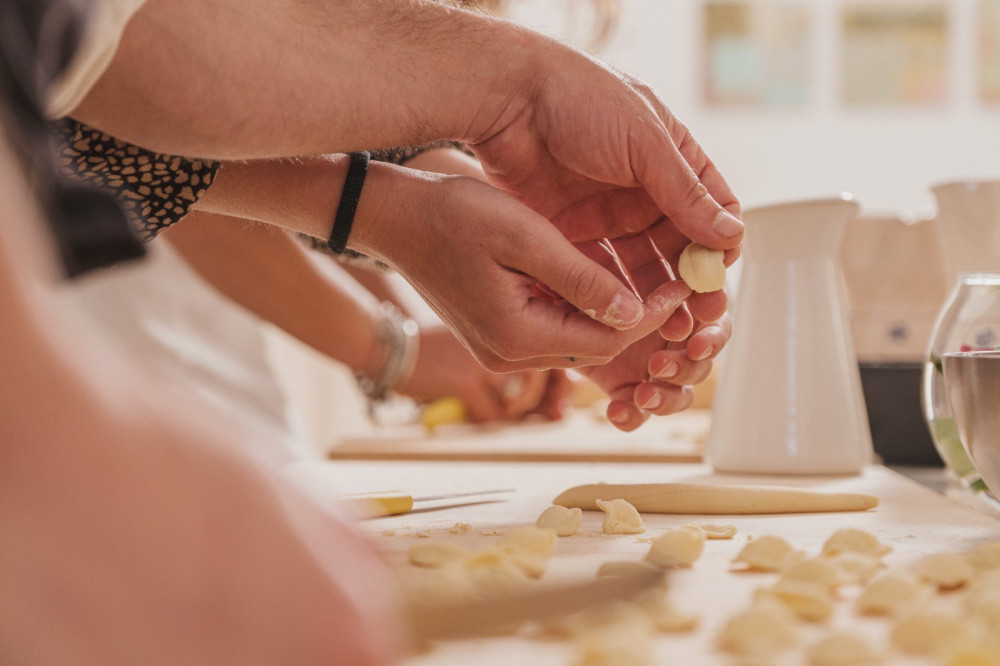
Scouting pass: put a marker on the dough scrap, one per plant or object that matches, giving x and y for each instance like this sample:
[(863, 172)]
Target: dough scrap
[(947, 571), (620, 517), (677, 548), (842, 649), (854, 540), (565, 521), (767, 553), (717, 531), (702, 268)]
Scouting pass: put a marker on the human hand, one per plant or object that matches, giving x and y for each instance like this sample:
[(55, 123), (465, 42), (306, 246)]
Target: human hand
[(653, 376), (476, 255), (445, 368), (598, 154)]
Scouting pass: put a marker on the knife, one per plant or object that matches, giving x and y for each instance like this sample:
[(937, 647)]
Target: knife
[(395, 502)]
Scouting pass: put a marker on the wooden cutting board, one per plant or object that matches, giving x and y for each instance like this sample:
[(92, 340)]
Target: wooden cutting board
[(583, 435), (913, 520)]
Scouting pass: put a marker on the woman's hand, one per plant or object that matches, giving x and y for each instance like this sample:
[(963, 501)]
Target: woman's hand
[(445, 368)]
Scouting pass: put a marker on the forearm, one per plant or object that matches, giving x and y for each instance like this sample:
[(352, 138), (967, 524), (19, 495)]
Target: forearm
[(274, 276), (303, 196), (445, 160), (215, 78)]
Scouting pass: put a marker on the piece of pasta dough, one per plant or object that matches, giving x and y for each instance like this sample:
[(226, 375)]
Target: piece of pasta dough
[(620, 517), (767, 553), (702, 268), (856, 567), (986, 557), (761, 631), (854, 540), (815, 570), (565, 521), (947, 571), (842, 649), (677, 548), (929, 631), (888, 594), (808, 600)]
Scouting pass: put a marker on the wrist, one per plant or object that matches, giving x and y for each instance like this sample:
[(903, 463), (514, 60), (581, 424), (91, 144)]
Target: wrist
[(393, 356)]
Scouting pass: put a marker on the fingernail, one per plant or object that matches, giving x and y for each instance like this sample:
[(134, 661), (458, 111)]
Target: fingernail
[(705, 354), (652, 402), (624, 310), (669, 369), (726, 224), (621, 418)]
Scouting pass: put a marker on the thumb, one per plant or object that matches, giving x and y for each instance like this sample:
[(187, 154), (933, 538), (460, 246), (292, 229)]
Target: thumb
[(688, 188), (583, 282)]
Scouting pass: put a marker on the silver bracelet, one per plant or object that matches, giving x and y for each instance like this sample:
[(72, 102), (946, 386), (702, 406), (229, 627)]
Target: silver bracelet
[(399, 338)]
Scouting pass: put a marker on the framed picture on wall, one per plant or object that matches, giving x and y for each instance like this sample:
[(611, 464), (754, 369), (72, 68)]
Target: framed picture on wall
[(894, 52), (755, 53), (988, 50)]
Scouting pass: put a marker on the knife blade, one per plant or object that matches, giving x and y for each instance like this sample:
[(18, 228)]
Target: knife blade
[(396, 502)]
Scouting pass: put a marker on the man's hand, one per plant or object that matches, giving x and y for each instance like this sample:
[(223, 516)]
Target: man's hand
[(476, 255), (655, 374), (598, 154)]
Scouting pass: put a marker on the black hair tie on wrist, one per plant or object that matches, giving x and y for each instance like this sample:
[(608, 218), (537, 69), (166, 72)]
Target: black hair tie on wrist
[(344, 219)]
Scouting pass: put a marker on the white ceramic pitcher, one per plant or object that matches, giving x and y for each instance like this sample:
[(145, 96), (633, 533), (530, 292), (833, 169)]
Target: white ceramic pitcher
[(789, 397)]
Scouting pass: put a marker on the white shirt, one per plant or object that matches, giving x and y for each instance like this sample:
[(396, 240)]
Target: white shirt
[(181, 331)]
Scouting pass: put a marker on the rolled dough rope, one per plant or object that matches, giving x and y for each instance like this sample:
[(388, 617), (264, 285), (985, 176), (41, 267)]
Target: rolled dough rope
[(694, 498)]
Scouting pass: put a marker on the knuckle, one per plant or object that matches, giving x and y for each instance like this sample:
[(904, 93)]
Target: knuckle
[(584, 283)]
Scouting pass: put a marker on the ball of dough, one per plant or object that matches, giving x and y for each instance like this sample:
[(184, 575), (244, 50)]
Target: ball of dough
[(702, 268)]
